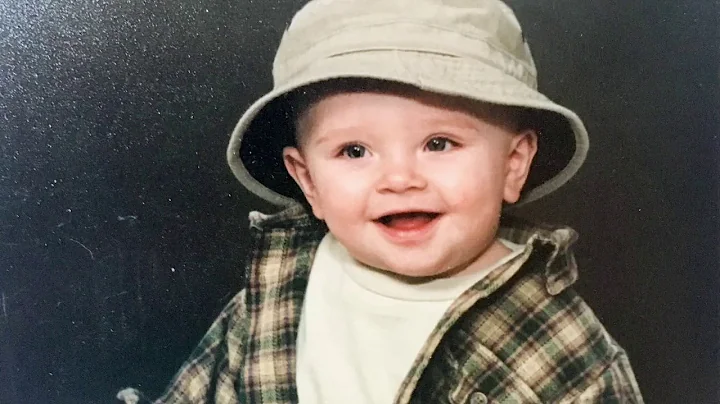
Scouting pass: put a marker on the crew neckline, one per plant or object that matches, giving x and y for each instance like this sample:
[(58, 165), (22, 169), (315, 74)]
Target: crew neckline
[(383, 284)]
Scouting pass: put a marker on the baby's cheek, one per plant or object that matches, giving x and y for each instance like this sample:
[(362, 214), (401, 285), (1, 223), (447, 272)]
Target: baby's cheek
[(466, 199), (345, 193), (477, 189), (344, 214), (343, 201)]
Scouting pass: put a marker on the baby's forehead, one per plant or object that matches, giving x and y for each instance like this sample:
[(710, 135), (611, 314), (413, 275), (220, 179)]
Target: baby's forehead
[(438, 105), (381, 109)]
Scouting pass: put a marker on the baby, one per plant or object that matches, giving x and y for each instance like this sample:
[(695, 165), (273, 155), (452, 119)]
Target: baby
[(396, 138)]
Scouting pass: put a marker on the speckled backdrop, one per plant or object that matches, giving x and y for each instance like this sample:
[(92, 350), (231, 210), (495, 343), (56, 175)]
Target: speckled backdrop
[(122, 230)]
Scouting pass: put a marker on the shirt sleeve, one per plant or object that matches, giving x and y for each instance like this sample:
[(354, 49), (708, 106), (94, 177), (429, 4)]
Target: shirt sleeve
[(211, 372), (616, 385)]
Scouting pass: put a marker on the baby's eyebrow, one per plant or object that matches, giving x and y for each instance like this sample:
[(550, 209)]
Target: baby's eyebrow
[(329, 134), (452, 123)]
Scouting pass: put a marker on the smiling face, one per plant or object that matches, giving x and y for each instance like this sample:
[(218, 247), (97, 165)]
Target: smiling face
[(411, 183)]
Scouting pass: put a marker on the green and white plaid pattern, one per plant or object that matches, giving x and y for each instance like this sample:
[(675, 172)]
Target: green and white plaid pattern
[(521, 335)]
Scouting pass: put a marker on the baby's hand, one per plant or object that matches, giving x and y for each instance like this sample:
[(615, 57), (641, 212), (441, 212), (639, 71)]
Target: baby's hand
[(129, 396)]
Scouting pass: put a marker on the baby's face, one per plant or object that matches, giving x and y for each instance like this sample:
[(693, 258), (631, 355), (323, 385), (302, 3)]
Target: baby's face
[(407, 185)]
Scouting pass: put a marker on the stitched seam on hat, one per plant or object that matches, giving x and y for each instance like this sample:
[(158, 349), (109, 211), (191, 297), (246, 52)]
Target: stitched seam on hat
[(521, 76), (502, 63), (387, 22)]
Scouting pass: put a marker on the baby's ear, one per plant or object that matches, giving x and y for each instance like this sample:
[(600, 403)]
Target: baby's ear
[(296, 166), (523, 148)]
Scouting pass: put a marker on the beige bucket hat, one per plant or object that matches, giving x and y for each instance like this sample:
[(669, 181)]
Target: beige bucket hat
[(468, 48)]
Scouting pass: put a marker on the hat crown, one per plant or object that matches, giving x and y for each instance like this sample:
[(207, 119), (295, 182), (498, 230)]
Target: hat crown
[(484, 30)]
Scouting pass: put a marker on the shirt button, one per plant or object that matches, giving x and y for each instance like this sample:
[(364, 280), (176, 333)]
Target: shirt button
[(478, 398)]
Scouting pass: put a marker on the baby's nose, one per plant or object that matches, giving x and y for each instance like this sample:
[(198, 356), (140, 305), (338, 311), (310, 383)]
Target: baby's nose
[(401, 175)]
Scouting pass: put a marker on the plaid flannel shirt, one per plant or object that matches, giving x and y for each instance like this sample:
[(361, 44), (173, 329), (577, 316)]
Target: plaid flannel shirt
[(520, 335)]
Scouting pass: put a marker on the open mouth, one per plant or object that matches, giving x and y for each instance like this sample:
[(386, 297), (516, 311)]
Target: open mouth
[(408, 220)]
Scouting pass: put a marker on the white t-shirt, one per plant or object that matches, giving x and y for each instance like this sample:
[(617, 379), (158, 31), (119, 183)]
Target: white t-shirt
[(361, 330)]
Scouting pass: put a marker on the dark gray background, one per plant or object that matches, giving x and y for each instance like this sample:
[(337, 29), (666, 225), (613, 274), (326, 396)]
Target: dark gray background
[(122, 230)]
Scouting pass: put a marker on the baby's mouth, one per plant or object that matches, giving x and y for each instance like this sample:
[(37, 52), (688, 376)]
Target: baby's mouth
[(408, 220)]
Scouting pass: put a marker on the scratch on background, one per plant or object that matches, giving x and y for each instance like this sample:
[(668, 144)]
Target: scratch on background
[(83, 246), (4, 306), (124, 292)]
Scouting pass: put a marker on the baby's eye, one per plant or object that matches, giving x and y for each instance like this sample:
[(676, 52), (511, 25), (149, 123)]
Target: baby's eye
[(440, 144), (353, 151)]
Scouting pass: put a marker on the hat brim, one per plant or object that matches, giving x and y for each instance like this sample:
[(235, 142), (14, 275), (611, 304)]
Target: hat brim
[(254, 152)]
